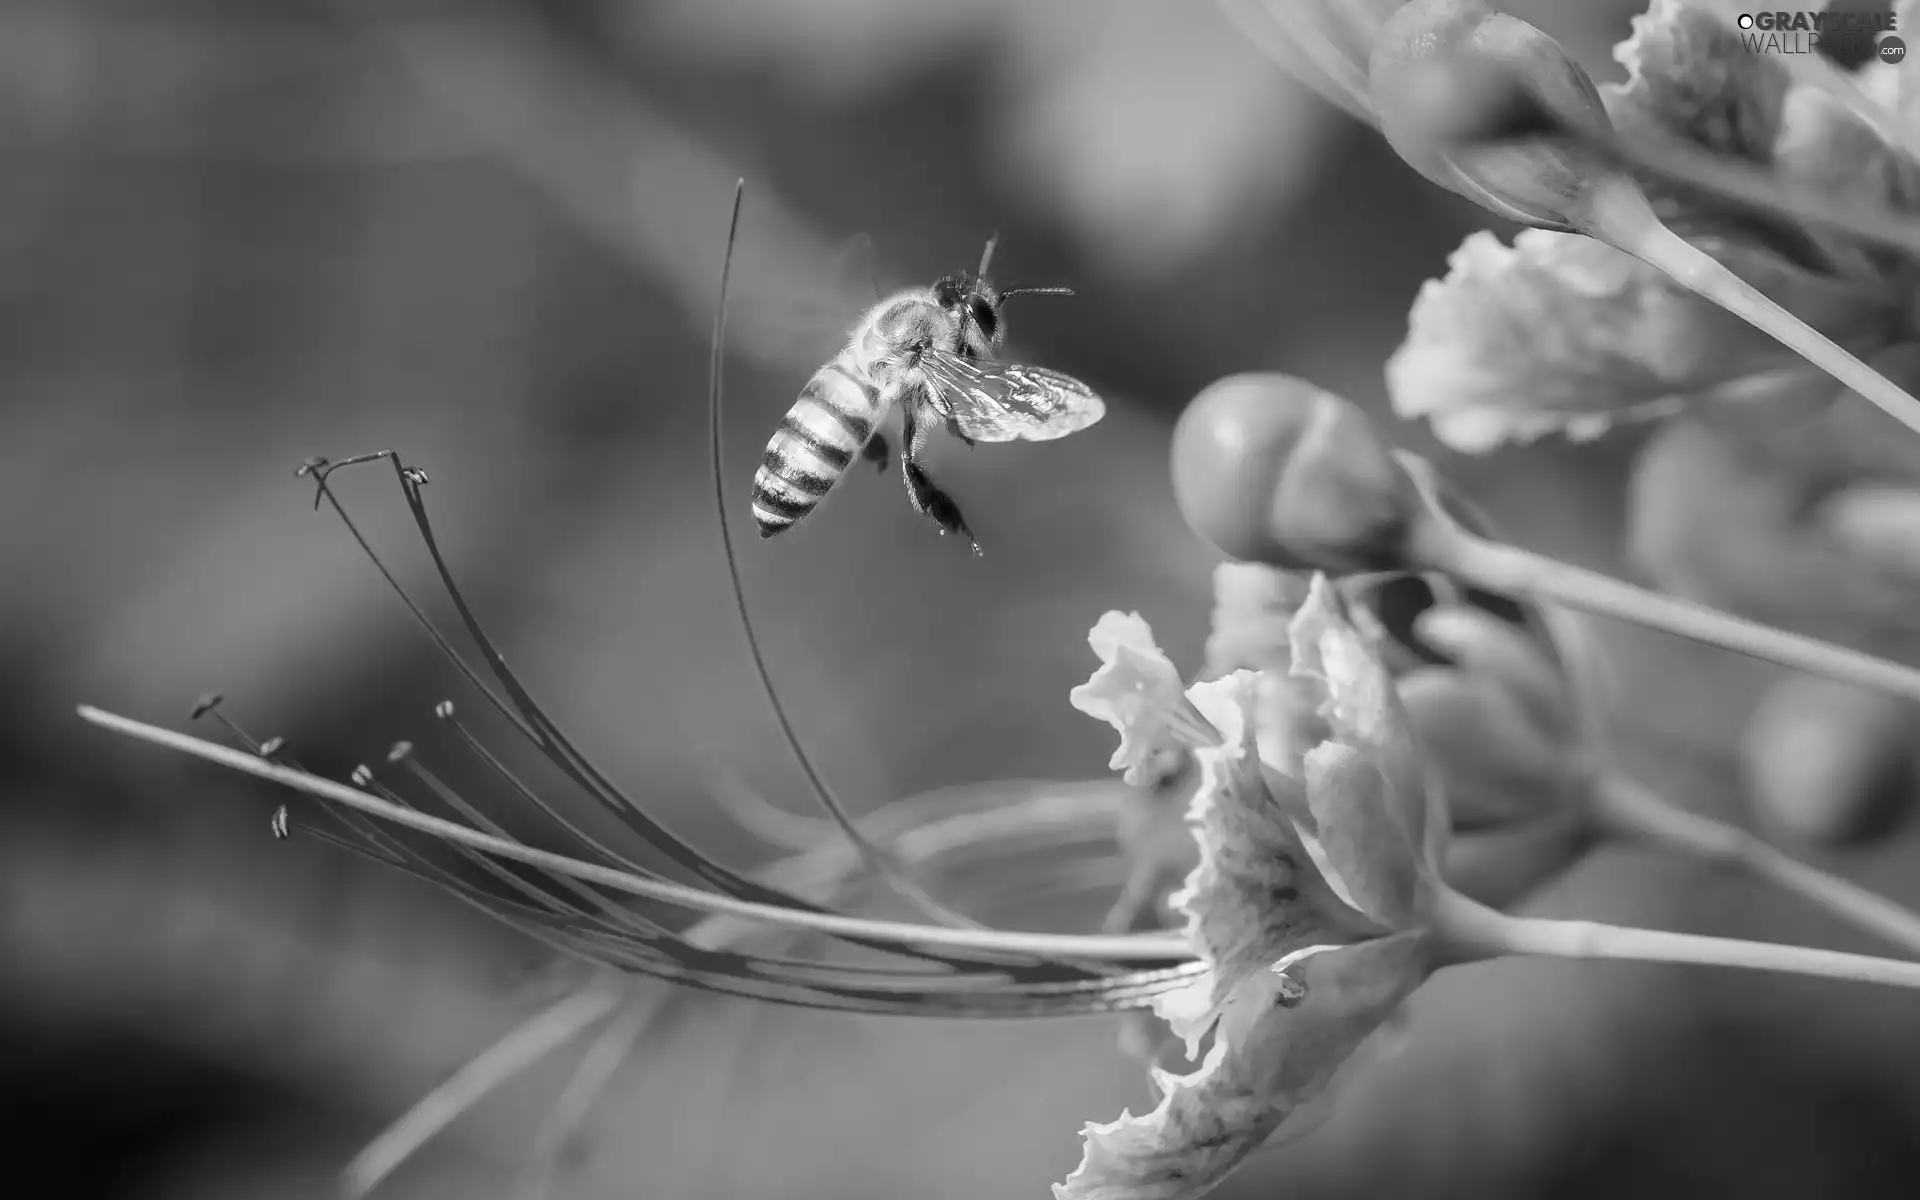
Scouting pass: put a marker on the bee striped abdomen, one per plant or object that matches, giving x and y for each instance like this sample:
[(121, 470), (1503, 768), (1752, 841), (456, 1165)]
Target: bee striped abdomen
[(816, 441)]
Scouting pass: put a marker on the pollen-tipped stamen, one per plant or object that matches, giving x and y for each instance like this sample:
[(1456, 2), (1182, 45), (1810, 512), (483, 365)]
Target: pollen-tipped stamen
[(373, 843), (532, 722)]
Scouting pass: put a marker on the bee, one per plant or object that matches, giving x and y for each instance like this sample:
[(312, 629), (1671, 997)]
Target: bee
[(930, 350)]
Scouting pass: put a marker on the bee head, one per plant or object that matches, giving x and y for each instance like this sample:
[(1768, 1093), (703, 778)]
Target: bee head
[(950, 290), (976, 304), (983, 309)]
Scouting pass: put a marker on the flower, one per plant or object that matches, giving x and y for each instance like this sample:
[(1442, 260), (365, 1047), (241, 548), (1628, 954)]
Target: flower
[(1560, 333), (1308, 905), (1138, 692)]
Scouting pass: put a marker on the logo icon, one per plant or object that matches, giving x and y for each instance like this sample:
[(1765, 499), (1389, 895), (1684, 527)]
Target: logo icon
[(1892, 49), (1745, 21)]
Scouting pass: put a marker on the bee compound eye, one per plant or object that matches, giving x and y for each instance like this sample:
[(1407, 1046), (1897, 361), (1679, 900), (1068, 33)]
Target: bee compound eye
[(983, 315)]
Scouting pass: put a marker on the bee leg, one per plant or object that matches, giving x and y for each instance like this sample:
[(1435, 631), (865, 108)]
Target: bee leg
[(926, 496), (953, 427), (876, 451)]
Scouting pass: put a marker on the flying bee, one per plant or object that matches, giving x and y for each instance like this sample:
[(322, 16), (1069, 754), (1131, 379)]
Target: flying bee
[(930, 350)]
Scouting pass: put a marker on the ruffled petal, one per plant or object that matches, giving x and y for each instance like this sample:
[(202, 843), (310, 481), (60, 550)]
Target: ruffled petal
[(1365, 783), (1559, 333), (1278, 1046), (1253, 610), (1690, 76), (1356, 691), (1256, 895), (1138, 691)]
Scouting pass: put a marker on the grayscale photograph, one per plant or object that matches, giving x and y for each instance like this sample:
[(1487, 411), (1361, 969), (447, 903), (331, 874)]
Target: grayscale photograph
[(960, 599)]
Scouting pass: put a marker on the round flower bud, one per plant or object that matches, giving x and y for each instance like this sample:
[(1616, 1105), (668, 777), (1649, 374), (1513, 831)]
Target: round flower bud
[(1498, 764), (1453, 101), (1484, 81), (1828, 762), (1272, 469)]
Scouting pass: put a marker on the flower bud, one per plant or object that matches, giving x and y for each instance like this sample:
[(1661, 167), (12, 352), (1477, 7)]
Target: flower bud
[(1486, 646), (1459, 87), (1827, 761), (1451, 102), (1272, 469), (1498, 765)]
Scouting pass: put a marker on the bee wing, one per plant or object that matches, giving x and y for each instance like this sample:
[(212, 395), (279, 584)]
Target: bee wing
[(1323, 43), (790, 310), (1005, 402), (850, 269)]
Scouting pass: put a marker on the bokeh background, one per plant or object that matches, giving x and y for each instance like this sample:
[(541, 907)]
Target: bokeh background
[(488, 234)]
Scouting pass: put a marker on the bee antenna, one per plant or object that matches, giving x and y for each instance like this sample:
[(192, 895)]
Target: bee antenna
[(986, 256), (871, 854), (1035, 291)]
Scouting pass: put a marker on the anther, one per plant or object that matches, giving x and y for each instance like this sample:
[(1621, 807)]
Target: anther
[(443, 710), (320, 467), (209, 705), (205, 705), (401, 752), (362, 775), (272, 746), (280, 824)]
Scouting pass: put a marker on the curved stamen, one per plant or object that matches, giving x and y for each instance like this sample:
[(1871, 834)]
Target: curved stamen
[(533, 723), (1132, 948)]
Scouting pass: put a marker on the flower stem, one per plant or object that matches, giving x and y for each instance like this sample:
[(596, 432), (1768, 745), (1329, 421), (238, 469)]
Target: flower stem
[(1758, 188), (523, 1045), (1129, 947), (1624, 807), (1499, 567), (584, 1089), (1473, 932), (1621, 217)]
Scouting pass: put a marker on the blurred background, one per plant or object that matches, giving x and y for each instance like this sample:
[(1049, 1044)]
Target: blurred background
[(488, 234)]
